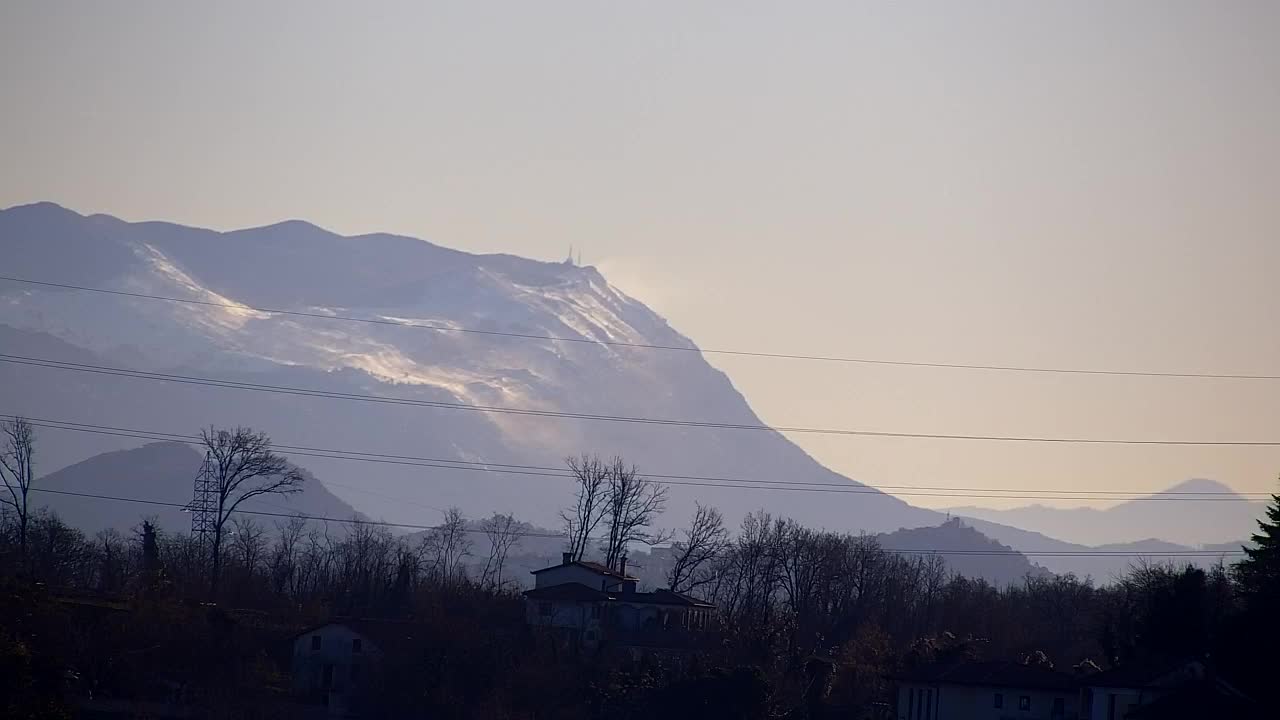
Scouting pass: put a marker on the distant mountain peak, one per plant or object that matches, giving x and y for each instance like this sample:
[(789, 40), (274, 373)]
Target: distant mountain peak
[(43, 208), (1199, 485)]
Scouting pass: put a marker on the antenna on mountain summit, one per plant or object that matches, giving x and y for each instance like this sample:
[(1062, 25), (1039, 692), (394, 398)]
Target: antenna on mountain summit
[(569, 260)]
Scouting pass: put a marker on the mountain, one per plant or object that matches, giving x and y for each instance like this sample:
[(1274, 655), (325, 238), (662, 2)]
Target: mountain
[(1103, 563), (1160, 515), (298, 267), (160, 472), (969, 552)]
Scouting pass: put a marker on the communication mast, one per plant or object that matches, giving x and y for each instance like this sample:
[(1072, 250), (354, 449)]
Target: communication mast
[(204, 503)]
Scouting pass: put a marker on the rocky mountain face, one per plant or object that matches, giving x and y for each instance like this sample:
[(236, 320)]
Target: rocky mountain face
[(401, 283)]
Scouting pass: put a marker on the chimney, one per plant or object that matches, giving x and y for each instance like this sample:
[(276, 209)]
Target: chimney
[(566, 558), (628, 585)]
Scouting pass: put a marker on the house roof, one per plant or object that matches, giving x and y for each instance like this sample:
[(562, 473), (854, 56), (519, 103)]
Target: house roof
[(567, 592), (993, 674), (663, 596), (1136, 674), (1202, 699), (589, 565), (577, 592), (389, 636)]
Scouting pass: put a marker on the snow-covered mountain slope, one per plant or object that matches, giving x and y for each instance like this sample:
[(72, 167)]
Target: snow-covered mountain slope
[(298, 267)]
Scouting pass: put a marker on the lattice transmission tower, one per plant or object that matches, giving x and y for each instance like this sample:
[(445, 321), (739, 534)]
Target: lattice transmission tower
[(204, 503)]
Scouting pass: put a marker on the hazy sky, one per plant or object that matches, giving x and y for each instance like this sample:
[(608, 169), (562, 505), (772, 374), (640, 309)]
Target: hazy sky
[(1080, 184)]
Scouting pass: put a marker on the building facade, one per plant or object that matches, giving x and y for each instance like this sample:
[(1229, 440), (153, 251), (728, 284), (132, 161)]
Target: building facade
[(593, 604), (987, 691)]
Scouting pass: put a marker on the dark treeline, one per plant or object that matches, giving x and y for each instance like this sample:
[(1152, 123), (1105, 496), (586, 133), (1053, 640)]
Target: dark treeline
[(811, 623)]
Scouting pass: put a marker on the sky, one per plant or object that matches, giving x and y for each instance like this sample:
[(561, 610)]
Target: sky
[(1067, 184)]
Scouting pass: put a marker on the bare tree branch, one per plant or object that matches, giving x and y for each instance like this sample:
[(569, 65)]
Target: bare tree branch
[(244, 467), (632, 504), (704, 541), (17, 470), (503, 533), (591, 477)]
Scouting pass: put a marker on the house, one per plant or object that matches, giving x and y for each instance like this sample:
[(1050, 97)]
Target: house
[(332, 662), (1161, 689), (987, 691), (593, 604)]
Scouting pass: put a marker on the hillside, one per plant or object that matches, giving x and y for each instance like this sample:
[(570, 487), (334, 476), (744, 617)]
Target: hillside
[(298, 267), (969, 552), (160, 472)]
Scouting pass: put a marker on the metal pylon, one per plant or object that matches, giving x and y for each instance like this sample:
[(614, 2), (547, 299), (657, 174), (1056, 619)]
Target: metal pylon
[(204, 503)]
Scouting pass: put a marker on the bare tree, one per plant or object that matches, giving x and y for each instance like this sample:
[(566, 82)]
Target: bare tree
[(632, 504), (244, 467), (248, 544), (283, 564), (704, 541), (591, 475), (112, 560), (503, 533), (447, 545), (17, 470)]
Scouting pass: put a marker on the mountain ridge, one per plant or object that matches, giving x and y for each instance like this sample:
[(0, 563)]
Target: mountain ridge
[(1165, 515), (294, 265)]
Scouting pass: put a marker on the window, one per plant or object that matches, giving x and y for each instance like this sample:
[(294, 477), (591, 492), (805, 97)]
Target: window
[(1059, 707), (998, 703), (1024, 703), (315, 643), (545, 609), (357, 645), (911, 702), (595, 612), (355, 673)]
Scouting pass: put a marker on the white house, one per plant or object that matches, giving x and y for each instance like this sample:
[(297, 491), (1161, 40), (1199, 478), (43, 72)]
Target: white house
[(1172, 689), (1113, 694), (332, 662), (987, 691), (592, 604)]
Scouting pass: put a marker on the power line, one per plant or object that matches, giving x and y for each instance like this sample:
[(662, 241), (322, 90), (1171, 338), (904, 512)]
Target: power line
[(650, 346), (538, 471), (382, 523), (563, 472), (308, 392)]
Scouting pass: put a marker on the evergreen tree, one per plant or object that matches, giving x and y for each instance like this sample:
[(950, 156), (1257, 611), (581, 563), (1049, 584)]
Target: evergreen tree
[(1259, 572)]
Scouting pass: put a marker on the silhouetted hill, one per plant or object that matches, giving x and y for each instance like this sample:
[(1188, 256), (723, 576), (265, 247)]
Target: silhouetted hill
[(967, 551), (1092, 560), (159, 472)]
